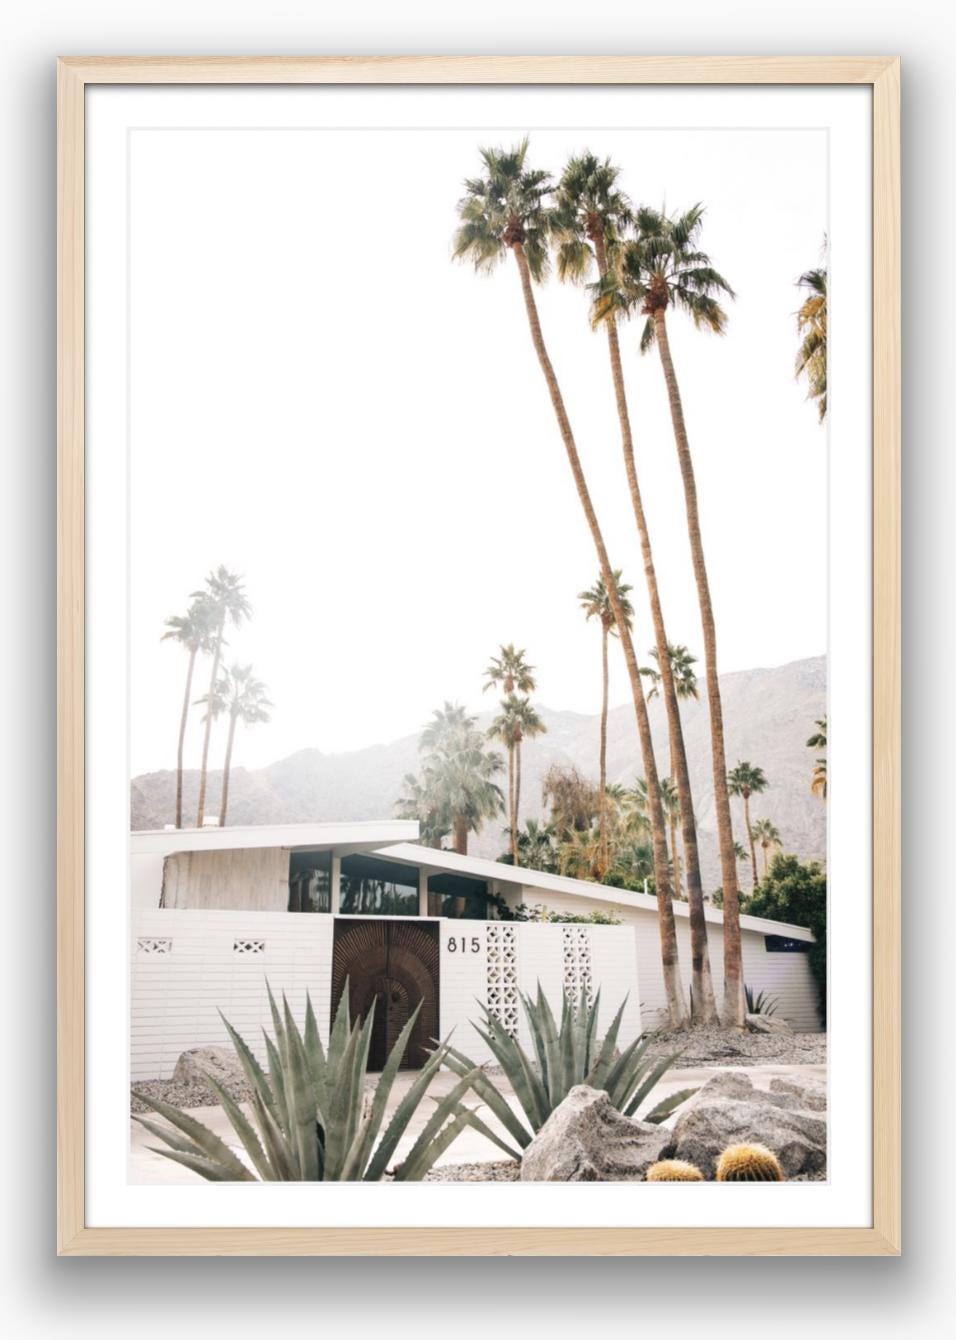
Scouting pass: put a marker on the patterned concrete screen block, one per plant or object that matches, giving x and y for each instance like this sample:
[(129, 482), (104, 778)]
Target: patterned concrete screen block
[(187, 965)]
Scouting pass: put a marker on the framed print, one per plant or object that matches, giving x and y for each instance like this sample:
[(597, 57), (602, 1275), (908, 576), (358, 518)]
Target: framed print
[(479, 656)]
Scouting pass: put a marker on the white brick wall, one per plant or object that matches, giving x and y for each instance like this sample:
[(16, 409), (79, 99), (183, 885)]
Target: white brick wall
[(463, 982), (176, 996)]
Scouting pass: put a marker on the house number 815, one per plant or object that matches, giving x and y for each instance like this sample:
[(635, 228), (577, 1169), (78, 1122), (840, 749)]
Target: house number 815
[(460, 944)]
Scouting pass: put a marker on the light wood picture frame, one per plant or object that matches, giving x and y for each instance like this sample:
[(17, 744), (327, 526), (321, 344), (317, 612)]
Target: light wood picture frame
[(882, 1236)]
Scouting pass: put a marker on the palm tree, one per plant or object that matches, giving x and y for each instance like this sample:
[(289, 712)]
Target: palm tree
[(243, 697), (504, 729), (768, 836), (194, 630), (812, 328), (662, 267), (416, 802), (226, 595), (505, 211), (597, 605), (528, 725), (536, 846), (591, 218), (510, 671), (685, 686), (671, 804), (580, 855), (818, 740), (517, 721), (456, 788), (745, 781)]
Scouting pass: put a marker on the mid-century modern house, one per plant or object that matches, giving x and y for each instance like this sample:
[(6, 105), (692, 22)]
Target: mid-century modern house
[(216, 912)]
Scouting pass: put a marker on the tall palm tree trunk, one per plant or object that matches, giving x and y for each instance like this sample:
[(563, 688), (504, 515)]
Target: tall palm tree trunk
[(676, 1004), (602, 793), (703, 1002), (750, 838), (183, 720), (675, 849), (461, 835), (227, 765), (217, 653), (512, 822), (517, 823), (734, 1002), (675, 857)]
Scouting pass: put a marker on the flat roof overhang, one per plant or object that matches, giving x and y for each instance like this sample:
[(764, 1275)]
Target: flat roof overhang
[(358, 836)]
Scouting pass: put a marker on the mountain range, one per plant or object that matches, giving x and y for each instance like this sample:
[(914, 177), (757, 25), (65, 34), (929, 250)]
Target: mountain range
[(768, 715)]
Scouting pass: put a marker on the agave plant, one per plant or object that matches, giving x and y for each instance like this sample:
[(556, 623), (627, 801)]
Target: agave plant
[(758, 1002), (564, 1054), (312, 1119)]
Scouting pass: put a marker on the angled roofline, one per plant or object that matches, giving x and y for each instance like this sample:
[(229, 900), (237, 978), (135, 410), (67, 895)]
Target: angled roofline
[(481, 868), (364, 834)]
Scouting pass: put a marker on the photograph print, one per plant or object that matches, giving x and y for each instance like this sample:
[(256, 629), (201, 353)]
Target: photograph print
[(478, 633)]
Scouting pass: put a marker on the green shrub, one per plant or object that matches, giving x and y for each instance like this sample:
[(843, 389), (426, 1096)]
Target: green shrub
[(564, 1054), (796, 893), (312, 1118), (522, 912)]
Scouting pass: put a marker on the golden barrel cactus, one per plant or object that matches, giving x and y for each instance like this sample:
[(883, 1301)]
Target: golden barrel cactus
[(749, 1163), (673, 1170)]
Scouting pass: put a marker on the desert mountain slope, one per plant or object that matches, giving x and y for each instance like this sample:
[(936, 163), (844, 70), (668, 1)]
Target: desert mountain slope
[(768, 715)]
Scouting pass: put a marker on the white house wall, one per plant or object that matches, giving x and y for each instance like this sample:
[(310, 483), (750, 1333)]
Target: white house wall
[(189, 964), (784, 976), (254, 878)]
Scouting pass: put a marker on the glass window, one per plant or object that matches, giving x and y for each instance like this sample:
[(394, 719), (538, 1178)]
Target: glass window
[(310, 881), (457, 896), (781, 944), (371, 887)]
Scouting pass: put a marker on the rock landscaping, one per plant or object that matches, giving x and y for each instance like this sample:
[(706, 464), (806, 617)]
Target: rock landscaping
[(585, 1139), (188, 1086), (766, 1041)]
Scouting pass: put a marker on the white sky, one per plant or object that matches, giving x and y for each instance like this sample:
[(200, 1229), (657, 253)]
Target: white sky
[(322, 401)]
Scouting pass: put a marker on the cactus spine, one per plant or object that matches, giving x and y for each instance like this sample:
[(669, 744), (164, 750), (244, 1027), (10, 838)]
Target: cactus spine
[(749, 1163), (673, 1170)]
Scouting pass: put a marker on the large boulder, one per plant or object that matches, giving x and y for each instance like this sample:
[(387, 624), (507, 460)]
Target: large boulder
[(809, 1094), (222, 1063), (767, 1024), (728, 1110), (585, 1139)]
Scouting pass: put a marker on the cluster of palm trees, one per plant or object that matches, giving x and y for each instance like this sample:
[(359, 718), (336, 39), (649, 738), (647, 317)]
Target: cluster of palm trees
[(233, 690), (635, 262), (455, 790), (641, 262)]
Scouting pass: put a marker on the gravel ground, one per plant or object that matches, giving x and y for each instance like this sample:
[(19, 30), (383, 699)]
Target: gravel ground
[(698, 1047), (720, 1047), (507, 1171), (184, 1095)]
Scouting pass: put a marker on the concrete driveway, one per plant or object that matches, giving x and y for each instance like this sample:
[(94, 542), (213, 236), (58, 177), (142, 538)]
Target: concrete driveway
[(145, 1166)]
